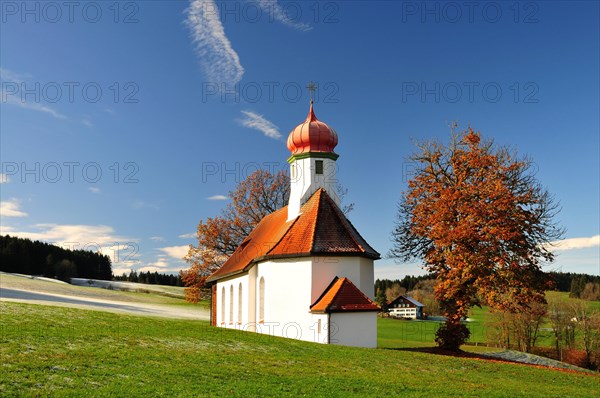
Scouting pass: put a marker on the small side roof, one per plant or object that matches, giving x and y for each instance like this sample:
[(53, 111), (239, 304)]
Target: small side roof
[(343, 296)]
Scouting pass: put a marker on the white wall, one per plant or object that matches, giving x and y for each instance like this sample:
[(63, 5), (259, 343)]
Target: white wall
[(367, 277), (305, 182), (404, 312), (291, 286), (234, 323), (287, 299), (358, 270), (251, 300), (357, 329)]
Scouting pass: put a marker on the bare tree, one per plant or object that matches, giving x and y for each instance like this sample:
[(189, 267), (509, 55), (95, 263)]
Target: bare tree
[(588, 325), (563, 329)]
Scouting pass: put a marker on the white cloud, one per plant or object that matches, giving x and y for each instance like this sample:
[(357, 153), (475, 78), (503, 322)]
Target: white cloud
[(11, 79), (258, 122), (122, 250), (8, 75), (217, 197), (94, 189), (152, 268), (77, 233), (158, 266), (4, 178), (11, 208), (280, 15), (140, 204), (86, 122), (177, 252), (213, 48), (157, 238), (576, 243), (188, 236), (10, 99)]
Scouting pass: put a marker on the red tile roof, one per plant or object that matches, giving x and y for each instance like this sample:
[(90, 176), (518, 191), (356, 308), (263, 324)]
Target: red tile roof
[(343, 296), (320, 229)]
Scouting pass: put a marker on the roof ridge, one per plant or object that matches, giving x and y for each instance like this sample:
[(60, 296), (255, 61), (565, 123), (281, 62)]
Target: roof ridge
[(316, 218), (280, 238), (342, 217)]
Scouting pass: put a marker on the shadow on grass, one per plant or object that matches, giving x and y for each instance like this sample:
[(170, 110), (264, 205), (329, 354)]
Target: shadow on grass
[(439, 351)]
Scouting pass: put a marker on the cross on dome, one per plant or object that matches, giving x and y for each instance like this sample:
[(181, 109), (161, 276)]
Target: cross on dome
[(312, 87)]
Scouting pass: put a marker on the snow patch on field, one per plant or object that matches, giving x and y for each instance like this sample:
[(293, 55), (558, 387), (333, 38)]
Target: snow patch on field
[(171, 291)]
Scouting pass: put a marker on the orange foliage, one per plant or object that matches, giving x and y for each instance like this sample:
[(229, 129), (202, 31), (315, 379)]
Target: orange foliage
[(480, 221)]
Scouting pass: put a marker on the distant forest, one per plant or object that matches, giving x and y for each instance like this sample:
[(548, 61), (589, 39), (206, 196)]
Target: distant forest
[(24, 256), (408, 282), (151, 278)]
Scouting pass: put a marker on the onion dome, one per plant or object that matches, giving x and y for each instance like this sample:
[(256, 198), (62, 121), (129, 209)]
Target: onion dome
[(312, 136)]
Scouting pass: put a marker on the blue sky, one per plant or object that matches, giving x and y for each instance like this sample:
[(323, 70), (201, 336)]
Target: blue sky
[(124, 124)]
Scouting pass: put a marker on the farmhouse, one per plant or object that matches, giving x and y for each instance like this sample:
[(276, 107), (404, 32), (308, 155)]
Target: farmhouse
[(304, 272), (405, 307)]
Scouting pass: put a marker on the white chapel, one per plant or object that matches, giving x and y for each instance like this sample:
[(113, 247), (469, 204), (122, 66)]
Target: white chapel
[(304, 272)]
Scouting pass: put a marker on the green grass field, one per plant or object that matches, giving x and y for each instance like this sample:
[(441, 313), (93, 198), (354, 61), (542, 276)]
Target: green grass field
[(52, 351), (417, 333)]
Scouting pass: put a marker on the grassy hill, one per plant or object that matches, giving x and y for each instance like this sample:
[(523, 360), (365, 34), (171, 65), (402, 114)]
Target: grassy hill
[(132, 292), (70, 352)]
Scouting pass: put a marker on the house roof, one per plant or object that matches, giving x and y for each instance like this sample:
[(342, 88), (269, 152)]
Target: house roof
[(415, 302), (320, 229), (343, 296), (407, 298)]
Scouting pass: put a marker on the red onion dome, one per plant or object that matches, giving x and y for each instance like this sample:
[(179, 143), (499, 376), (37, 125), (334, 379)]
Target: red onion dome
[(312, 136)]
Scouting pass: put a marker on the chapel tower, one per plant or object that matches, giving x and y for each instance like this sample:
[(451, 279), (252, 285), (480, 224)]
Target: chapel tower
[(312, 163)]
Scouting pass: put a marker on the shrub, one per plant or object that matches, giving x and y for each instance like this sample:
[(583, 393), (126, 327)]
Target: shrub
[(451, 335)]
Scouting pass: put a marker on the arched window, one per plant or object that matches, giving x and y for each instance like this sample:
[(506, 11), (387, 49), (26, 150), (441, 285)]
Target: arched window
[(240, 304), (261, 300), (231, 304), (223, 305)]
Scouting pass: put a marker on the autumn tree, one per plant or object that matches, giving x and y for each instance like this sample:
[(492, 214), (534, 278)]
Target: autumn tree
[(260, 194), (591, 292), (481, 222), (392, 292), (424, 293)]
